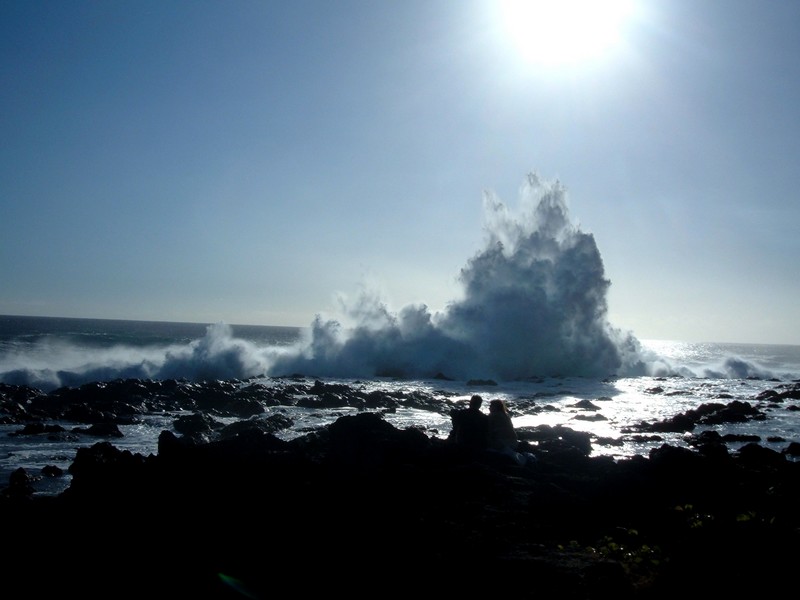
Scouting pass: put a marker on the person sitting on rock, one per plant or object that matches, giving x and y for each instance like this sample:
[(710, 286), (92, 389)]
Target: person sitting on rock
[(470, 426), (502, 435)]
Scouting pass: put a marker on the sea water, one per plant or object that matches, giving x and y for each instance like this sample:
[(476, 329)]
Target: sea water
[(76, 351)]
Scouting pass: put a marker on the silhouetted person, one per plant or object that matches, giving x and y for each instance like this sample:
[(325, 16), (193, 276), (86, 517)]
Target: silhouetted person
[(470, 426), (502, 436)]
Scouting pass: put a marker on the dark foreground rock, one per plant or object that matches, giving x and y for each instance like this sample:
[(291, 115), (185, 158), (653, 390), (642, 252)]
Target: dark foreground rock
[(364, 509)]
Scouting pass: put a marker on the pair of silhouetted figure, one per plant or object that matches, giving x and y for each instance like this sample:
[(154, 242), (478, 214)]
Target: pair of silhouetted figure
[(475, 431)]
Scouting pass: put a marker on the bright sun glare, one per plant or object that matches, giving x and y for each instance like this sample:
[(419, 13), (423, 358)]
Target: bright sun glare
[(564, 32)]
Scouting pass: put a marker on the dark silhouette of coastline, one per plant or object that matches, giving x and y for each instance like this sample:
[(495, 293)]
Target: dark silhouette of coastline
[(364, 508)]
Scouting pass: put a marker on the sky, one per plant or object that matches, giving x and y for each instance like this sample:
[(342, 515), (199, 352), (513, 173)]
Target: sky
[(255, 162)]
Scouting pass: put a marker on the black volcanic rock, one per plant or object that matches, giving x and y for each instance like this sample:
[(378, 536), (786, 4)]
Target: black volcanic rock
[(226, 511), (360, 502)]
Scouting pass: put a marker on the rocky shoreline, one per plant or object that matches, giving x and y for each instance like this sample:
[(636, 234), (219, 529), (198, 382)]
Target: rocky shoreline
[(363, 508)]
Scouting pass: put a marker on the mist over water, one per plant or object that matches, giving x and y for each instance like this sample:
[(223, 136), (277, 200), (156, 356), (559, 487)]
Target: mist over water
[(51, 363), (532, 304)]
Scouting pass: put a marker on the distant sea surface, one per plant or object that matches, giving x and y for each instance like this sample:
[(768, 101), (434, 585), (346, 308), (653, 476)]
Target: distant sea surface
[(48, 352), (26, 333), (51, 352)]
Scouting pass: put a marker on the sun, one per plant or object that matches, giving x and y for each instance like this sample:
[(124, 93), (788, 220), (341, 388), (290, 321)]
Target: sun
[(557, 33)]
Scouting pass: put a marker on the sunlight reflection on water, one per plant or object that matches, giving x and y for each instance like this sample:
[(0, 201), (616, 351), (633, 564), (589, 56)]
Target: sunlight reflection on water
[(608, 410)]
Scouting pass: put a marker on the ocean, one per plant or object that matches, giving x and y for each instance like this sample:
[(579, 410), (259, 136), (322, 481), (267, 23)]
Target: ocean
[(47, 353), (530, 326)]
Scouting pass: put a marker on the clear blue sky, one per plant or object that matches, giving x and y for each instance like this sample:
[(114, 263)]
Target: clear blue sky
[(246, 161)]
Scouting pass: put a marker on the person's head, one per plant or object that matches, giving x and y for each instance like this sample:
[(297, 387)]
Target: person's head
[(475, 401), (497, 405)]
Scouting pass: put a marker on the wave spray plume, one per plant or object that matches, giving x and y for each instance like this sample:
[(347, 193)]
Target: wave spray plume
[(533, 304)]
